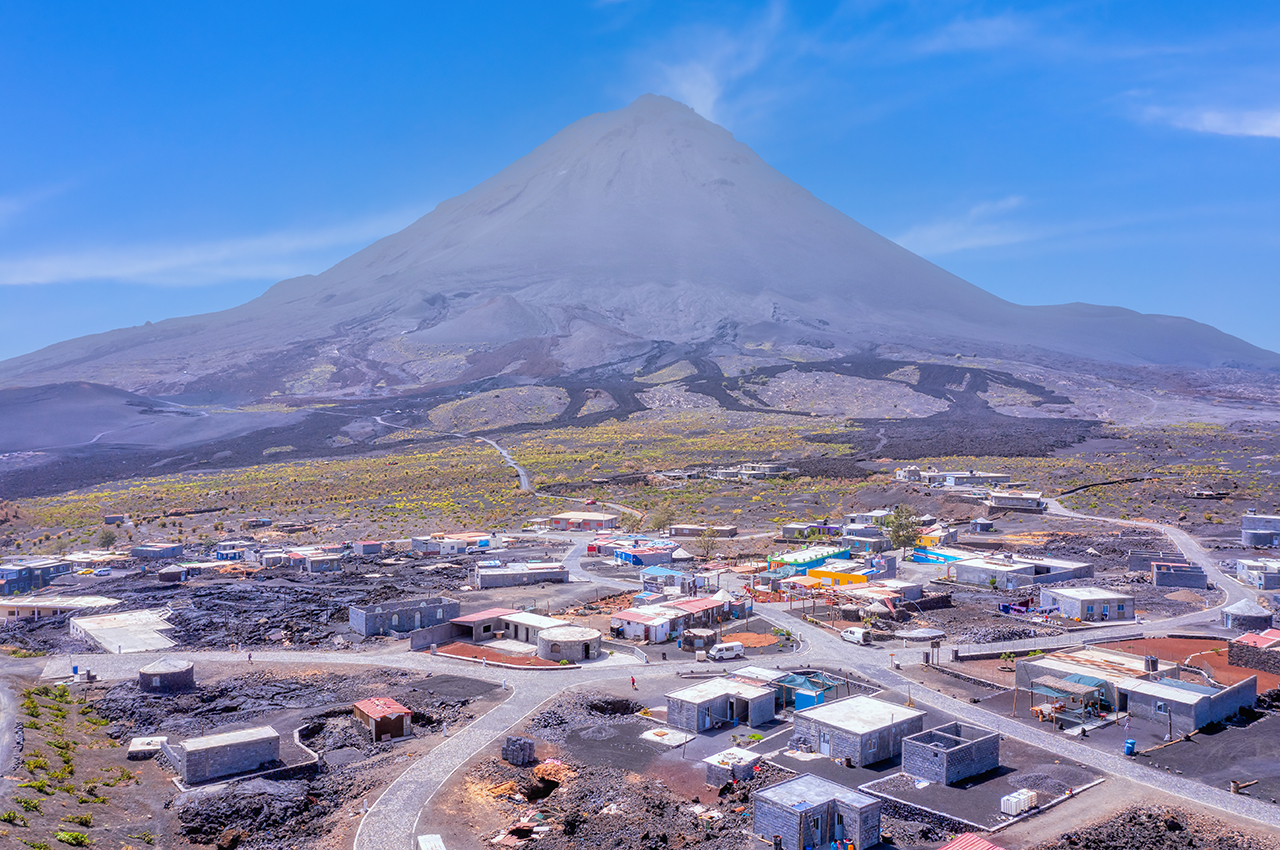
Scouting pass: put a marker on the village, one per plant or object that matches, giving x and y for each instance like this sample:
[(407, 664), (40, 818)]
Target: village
[(881, 677)]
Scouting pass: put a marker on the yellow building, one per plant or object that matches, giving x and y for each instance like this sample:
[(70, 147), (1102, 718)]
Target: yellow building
[(835, 577)]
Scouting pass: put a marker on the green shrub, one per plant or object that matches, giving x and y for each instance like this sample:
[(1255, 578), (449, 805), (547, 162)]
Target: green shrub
[(27, 805), (79, 820), (36, 845), (41, 785), (75, 839), (13, 818)]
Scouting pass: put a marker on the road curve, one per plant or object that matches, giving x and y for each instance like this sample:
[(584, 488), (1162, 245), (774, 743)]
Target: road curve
[(1190, 548)]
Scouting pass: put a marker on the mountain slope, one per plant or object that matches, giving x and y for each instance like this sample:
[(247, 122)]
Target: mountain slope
[(626, 229)]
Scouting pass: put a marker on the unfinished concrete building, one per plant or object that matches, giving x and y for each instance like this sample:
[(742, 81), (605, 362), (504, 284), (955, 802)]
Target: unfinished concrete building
[(212, 757), (1179, 575), (861, 730), (708, 704), (732, 765), (809, 811), (402, 617), (950, 754)]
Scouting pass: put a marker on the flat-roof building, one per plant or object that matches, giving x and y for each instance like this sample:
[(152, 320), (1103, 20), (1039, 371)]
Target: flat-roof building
[(1019, 501), (808, 812), (497, 574), (1260, 530), (224, 754), (813, 556), (1259, 573), (524, 626), (127, 631), (708, 704), (482, 625), (1011, 571), (1088, 604), (861, 730), (1186, 705), (583, 521), (19, 607)]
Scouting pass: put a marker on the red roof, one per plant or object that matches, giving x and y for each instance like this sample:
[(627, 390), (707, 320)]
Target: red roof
[(379, 707), (695, 606), (486, 614), (969, 841), (633, 616), (1273, 634), (1260, 641)]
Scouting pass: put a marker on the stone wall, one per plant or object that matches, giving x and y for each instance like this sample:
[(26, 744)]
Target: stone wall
[(1243, 655), (772, 819), (682, 715), (420, 639)]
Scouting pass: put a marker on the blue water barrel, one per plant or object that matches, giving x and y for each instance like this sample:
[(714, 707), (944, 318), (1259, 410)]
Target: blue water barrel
[(1130, 747)]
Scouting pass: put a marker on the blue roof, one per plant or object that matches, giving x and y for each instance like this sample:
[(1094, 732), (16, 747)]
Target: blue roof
[(660, 571)]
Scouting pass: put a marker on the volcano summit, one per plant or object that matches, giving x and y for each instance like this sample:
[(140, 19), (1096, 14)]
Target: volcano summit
[(625, 232), (639, 259)]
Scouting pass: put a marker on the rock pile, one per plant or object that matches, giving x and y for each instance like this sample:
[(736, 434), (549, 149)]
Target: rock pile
[(1157, 828)]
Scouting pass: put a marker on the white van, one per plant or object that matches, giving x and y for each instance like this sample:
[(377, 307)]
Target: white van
[(856, 635), (725, 651)]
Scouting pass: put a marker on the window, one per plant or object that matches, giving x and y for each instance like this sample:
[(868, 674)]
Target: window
[(1162, 708), (1119, 607)]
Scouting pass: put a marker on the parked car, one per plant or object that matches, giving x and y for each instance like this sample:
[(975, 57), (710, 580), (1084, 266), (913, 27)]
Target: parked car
[(856, 635), (85, 573), (725, 651), (474, 550), (102, 571)]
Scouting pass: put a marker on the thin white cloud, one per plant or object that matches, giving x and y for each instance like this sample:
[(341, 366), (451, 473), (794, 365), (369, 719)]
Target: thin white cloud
[(1259, 122), (14, 205), (982, 226), (269, 256), (977, 34), (716, 61)]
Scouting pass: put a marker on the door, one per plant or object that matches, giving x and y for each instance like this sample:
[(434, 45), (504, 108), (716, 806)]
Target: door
[(824, 743)]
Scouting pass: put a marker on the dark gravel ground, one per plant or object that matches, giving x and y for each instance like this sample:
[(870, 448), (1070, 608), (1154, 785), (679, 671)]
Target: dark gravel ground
[(1158, 828)]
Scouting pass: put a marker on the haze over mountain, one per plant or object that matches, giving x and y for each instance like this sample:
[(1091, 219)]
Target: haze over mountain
[(649, 224)]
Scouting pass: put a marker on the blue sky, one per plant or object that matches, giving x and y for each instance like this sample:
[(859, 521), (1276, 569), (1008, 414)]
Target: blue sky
[(167, 159)]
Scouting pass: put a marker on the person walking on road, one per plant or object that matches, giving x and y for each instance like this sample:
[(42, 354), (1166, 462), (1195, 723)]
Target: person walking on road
[(633, 684), (250, 657)]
